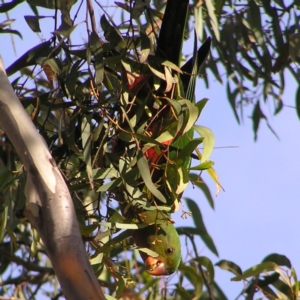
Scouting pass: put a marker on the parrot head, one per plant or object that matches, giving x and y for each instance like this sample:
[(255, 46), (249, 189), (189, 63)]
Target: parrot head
[(161, 237), (163, 265)]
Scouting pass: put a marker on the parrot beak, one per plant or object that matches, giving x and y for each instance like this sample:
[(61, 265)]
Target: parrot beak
[(155, 267)]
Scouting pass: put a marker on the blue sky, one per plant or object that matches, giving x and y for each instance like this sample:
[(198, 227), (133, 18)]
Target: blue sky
[(258, 213)]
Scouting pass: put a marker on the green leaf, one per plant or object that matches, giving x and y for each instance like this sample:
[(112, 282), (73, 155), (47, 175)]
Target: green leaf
[(157, 73), (257, 270), (232, 101), (183, 293), (193, 115), (122, 225), (298, 102), (5, 7), (107, 247), (198, 182), (86, 230), (139, 7), (3, 220), (97, 50), (284, 290), (195, 278), (200, 104), (6, 23), (143, 167), (30, 57), (111, 33), (216, 292), (164, 137), (198, 221), (229, 266), (296, 282), (203, 166), (171, 65), (145, 47), (121, 284), (257, 115), (53, 4), (206, 262), (183, 180), (108, 297), (148, 251), (171, 36), (52, 63), (11, 31), (185, 153), (254, 19), (278, 259), (33, 23), (105, 173), (198, 16), (213, 19), (87, 146), (110, 185), (193, 66), (208, 141)]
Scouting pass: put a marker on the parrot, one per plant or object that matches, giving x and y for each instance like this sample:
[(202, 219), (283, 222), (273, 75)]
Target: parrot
[(160, 236), (159, 233)]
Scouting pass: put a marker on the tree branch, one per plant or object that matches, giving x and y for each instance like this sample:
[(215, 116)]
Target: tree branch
[(49, 206)]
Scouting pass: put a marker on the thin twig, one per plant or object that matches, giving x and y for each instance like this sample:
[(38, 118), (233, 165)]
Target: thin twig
[(92, 15)]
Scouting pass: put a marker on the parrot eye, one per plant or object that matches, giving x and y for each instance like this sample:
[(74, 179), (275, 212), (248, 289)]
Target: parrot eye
[(169, 251)]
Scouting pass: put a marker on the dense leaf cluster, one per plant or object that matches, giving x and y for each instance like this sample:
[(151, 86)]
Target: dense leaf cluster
[(118, 114)]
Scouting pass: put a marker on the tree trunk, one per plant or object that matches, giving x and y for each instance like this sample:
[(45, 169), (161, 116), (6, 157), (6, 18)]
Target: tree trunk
[(49, 206)]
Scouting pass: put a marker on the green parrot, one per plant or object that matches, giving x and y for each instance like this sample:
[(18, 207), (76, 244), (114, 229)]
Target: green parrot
[(161, 237)]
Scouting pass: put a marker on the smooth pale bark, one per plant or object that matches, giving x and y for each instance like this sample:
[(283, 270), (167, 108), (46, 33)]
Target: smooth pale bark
[(49, 206)]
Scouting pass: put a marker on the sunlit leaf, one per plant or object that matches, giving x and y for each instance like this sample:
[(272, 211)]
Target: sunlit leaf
[(257, 270), (87, 146), (208, 141), (198, 21), (108, 297), (157, 73), (145, 47), (3, 221), (145, 173), (213, 18)]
